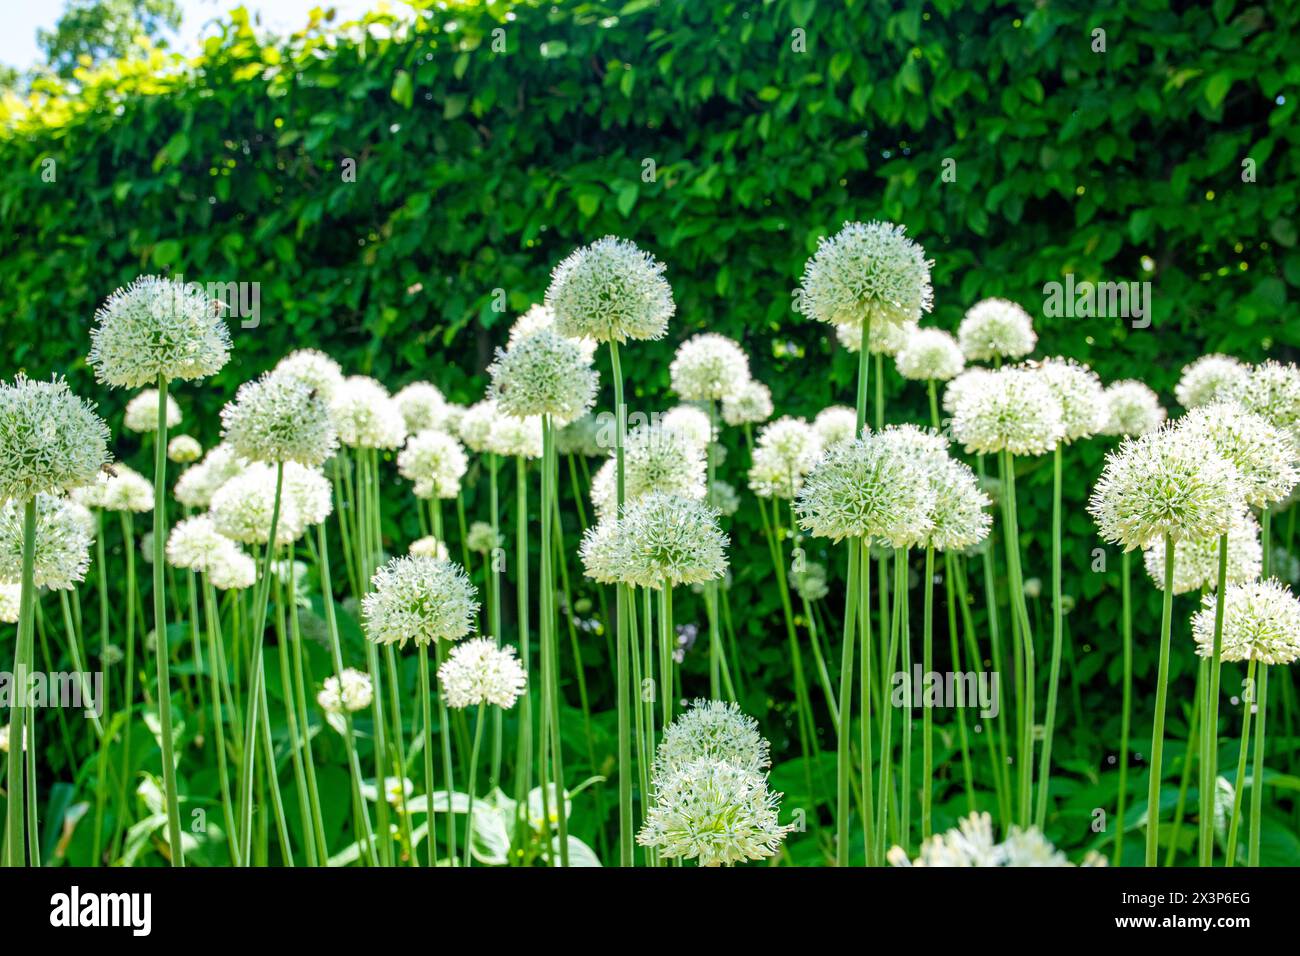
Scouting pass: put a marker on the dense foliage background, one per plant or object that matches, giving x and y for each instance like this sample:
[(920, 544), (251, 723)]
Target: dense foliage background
[(726, 137)]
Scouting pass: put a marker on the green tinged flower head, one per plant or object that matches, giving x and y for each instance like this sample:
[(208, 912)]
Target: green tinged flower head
[(419, 599), (349, 692), (430, 547), (959, 518), (1196, 560), (122, 489), (656, 459), (1207, 379), (422, 406), (10, 601), (158, 328), (930, 355), (709, 367), (435, 461), (476, 425), (539, 317), (883, 339), (601, 552), (1166, 482), (724, 497), (309, 493), (195, 543), (63, 538), (866, 274), (142, 412), (971, 844), (996, 329), (1266, 456), (692, 421), (481, 539), (1011, 409), (243, 507), (1131, 409), (581, 437), (669, 539), (786, 451), (184, 450), (480, 672), (1271, 390), (365, 415), (198, 483), (713, 730), (610, 291), (835, 424), (543, 374), (314, 369), (50, 440), (810, 583), (961, 386), (1261, 621), (1080, 393), (521, 437), (277, 418), (749, 404)]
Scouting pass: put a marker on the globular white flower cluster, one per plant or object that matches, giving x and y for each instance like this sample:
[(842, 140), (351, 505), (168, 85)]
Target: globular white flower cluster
[(158, 328), (1132, 408), (786, 451), (963, 385), (475, 428), (277, 418), (1011, 409), (659, 539), (435, 462), (1196, 560), (930, 355), (481, 539), (584, 437), (810, 583), (348, 692), (480, 672), (64, 534), (1261, 621), (232, 570), (543, 374), (365, 415), (196, 544), (539, 317), (10, 602), (724, 497), (243, 508), (709, 367), (1266, 456), (198, 483), (422, 406), (610, 291), (1272, 391), (122, 489), (835, 424), (749, 404), (430, 547), (656, 459), (314, 369), (310, 494), (972, 844), (1208, 379), (716, 730), (691, 421), (419, 599), (142, 412), (1080, 394), (521, 437), (50, 440), (184, 450), (883, 338), (959, 518), (866, 274), (996, 329)]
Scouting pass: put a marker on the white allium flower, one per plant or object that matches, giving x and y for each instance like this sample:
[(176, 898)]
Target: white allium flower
[(142, 412), (278, 418), (183, 449), (692, 421), (996, 328), (451, 417), (786, 451), (714, 812), (63, 540), (314, 369), (481, 539), (476, 425), (604, 491), (543, 374), (669, 539), (866, 274), (835, 424), (430, 547), (930, 355), (365, 415), (242, 508), (810, 583), (1267, 458), (50, 440), (1029, 847), (867, 488), (959, 517), (419, 599), (125, 489), (480, 672), (435, 462), (709, 367), (1132, 409), (1080, 393), (10, 599), (232, 570), (1271, 390), (4, 738), (309, 493), (539, 317), (882, 340), (610, 291), (198, 483), (712, 730), (1196, 560), (582, 437), (195, 543), (749, 404), (969, 844), (724, 497), (602, 550), (158, 328), (350, 691), (1011, 409), (1207, 379), (422, 406), (659, 459), (926, 447), (516, 436), (1261, 620), (1165, 482), (963, 385)]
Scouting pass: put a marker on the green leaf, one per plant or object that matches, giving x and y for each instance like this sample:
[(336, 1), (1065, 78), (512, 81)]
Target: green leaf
[(403, 91)]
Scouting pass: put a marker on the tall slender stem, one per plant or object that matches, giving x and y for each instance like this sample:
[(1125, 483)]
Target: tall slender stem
[(161, 650), (623, 691), (844, 732), (1239, 786), (1158, 730), (19, 739), (426, 715), (1257, 775), (927, 712), (1126, 714), (472, 785), (1210, 734), (1058, 623), (1020, 618)]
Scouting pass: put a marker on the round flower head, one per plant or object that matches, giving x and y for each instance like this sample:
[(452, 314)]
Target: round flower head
[(278, 418), (709, 367), (350, 691), (969, 844), (50, 440), (1131, 409), (142, 412), (786, 451), (1208, 378), (419, 599), (243, 507), (668, 539), (476, 425), (691, 421), (602, 552), (996, 328), (1196, 560), (1267, 459), (582, 437), (713, 812), (749, 404), (930, 355), (481, 539), (811, 581), (435, 461), (63, 540), (724, 497), (309, 493), (713, 730), (480, 672), (662, 459), (1080, 393), (122, 489), (610, 291), (1261, 620), (422, 406), (543, 374), (1271, 390), (365, 415), (960, 519), (866, 274), (1165, 483), (516, 436), (232, 570), (430, 547), (835, 424), (184, 450), (195, 543), (314, 369), (881, 340), (961, 386), (867, 488), (451, 417), (1028, 847), (158, 328), (539, 317), (10, 599), (198, 483), (1011, 409)]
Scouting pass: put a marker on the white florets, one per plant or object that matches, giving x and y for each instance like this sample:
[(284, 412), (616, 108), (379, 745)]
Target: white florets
[(691, 421), (50, 440), (10, 602), (1011, 409), (278, 418), (422, 406), (195, 543), (543, 374), (232, 570), (539, 317), (1196, 560), (996, 328), (835, 424), (142, 412), (1266, 457), (480, 672), (365, 415), (125, 489), (709, 367), (314, 369), (1261, 620), (747, 405), (243, 507), (435, 462), (349, 692), (1271, 390), (183, 450), (1132, 409), (419, 599), (481, 538), (430, 547), (1208, 379), (198, 483), (668, 539), (512, 436), (1081, 395), (62, 547), (866, 274), (713, 730), (610, 291), (930, 355), (785, 452), (884, 339)]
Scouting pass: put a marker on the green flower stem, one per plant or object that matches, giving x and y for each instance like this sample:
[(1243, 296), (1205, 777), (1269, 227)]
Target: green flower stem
[(19, 740), (623, 691), (293, 727), (524, 749), (493, 566), (550, 644), (78, 660), (844, 732), (444, 722), (866, 686), (300, 702), (575, 645), (1126, 714), (1251, 702), (272, 779), (666, 649), (1158, 730), (1020, 618), (987, 560), (884, 800), (1185, 775), (995, 742), (1266, 540), (905, 643), (963, 741), (472, 784), (1054, 670), (213, 619), (1257, 775), (643, 669), (426, 708), (364, 559), (1210, 734), (927, 712)]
